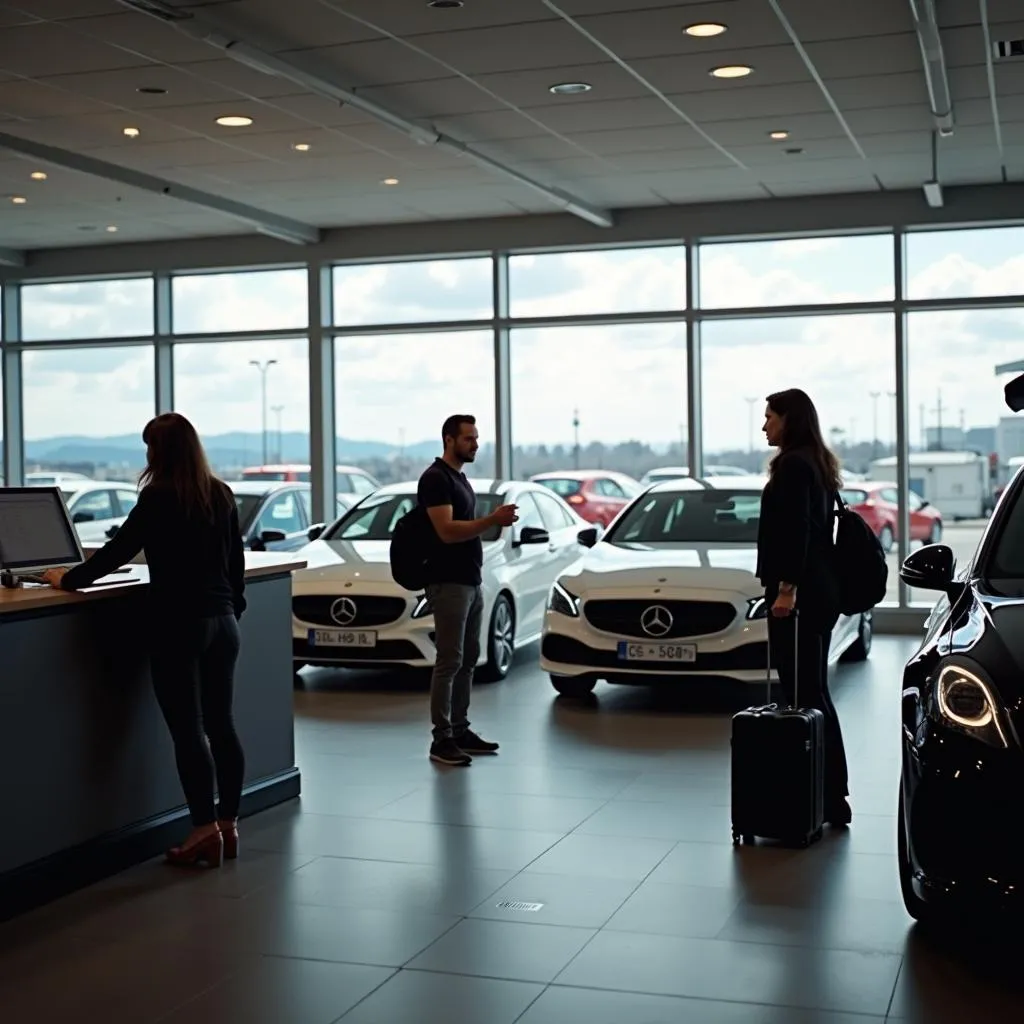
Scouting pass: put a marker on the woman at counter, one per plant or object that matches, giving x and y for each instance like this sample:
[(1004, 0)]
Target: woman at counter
[(186, 521)]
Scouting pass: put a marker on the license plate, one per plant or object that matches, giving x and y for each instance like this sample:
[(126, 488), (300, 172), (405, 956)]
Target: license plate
[(342, 638), (683, 653)]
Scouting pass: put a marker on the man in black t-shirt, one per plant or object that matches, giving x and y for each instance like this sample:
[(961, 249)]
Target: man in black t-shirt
[(454, 589)]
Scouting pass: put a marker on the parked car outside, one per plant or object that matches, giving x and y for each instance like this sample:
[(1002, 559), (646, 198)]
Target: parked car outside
[(96, 507), (276, 516), (597, 495), (878, 504), (350, 482)]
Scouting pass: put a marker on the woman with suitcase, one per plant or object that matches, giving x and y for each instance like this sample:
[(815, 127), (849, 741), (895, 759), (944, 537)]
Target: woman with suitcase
[(794, 564)]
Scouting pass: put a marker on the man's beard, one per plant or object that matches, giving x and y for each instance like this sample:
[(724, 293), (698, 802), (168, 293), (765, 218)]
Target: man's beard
[(468, 456)]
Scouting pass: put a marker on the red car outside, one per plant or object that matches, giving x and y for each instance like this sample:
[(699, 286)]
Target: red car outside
[(877, 504), (596, 495)]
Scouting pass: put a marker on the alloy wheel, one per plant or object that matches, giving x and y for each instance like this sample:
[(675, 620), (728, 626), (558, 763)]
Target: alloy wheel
[(503, 636)]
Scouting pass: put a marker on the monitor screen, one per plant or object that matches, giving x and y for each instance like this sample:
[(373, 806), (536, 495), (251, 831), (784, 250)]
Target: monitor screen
[(35, 530)]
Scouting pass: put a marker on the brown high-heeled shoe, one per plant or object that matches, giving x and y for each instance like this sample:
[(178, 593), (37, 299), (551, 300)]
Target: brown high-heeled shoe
[(229, 833), (207, 852)]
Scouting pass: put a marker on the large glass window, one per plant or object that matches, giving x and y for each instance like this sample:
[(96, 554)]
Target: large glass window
[(392, 394), (981, 262), (70, 310), (603, 281), (599, 398), (266, 300), (249, 400), (424, 292), (84, 410), (797, 271), (845, 363), (965, 443)]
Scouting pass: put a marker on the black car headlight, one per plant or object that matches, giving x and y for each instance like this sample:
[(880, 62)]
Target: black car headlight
[(422, 609), (966, 702), (757, 608), (561, 601)]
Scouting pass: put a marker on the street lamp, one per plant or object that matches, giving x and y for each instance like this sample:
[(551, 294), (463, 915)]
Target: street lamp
[(277, 410), (875, 395), (751, 402), (576, 437), (263, 368)]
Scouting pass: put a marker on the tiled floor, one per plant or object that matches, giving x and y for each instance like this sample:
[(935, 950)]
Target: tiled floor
[(383, 897)]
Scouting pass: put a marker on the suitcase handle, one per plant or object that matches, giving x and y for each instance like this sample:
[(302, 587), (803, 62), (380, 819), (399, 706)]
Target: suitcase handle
[(796, 658)]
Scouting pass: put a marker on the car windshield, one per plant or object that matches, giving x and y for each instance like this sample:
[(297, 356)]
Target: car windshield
[(1006, 560), (852, 497), (712, 516), (562, 486), (247, 505), (374, 518)]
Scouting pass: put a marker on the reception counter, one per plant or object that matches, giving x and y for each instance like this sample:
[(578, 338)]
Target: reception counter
[(88, 784)]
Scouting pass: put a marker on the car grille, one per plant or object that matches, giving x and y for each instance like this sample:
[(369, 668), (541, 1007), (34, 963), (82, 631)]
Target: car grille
[(688, 618), (369, 611), (564, 649)]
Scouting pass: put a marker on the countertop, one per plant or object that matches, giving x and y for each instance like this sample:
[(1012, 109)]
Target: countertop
[(30, 597)]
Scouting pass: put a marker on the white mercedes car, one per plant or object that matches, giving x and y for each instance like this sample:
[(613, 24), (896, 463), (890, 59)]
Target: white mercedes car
[(669, 593), (347, 611)]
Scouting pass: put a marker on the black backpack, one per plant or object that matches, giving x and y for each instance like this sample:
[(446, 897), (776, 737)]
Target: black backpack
[(412, 542), (861, 570)]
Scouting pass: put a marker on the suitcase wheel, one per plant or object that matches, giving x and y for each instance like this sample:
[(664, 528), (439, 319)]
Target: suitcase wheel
[(737, 838)]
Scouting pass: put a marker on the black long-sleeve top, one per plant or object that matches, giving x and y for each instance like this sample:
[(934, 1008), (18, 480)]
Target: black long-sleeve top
[(196, 566), (794, 537)]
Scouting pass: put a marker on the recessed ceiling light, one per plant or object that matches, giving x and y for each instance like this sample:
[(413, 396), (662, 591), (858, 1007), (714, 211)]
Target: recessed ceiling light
[(389, 181), (132, 133), (796, 151), (780, 134), (445, 5), (151, 90), (302, 147), (731, 71), (570, 88), (19, 200), (112, 228), (39, 175), (705, 29), (234, 121), (86, 227)]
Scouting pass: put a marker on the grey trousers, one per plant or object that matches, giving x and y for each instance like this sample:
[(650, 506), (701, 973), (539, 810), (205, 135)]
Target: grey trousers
[(458, 611)]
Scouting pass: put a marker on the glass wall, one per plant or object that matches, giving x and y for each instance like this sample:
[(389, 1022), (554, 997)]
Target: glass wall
[(581, 366)]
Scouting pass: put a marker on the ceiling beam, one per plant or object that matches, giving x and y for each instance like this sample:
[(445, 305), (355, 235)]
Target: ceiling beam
[(926, 25), (12, 258), (320, 80), (263, 221)]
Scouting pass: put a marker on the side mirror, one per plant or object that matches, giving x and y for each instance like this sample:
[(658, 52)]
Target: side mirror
[(113, 530), (533, 535), (930, 568), (924, 503), (316, 531), (588, 537), (83, 517), (273, 536)]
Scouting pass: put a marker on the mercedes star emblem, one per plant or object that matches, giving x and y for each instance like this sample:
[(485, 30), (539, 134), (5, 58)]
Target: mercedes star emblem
[(343, 611), (656, 620)]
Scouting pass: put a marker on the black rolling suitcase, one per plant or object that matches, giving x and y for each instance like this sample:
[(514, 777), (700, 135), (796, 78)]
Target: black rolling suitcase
[(778, 771)]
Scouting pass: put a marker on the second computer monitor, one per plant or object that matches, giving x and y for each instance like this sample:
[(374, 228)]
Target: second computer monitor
[(36, 532)]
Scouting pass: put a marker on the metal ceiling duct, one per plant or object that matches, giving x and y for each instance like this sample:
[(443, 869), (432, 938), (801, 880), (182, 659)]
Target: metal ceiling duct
[(926, 25)]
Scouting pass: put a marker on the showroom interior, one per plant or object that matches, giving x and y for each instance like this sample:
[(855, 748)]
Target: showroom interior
[(609, 230)]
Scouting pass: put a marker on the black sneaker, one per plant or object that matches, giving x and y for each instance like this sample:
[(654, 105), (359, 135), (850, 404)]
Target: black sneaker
[(450, 753), (473, 744)]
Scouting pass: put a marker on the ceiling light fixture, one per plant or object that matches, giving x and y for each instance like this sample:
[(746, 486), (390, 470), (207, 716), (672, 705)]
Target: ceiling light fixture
[(705, 29), (39, 175), (112, 228), (301, 147), (781, 133), (390, 181), (132, 133), (795, 151), (731, 71), (234, 121), (151, 90), (19, 200), (570, 88), (445, 5)]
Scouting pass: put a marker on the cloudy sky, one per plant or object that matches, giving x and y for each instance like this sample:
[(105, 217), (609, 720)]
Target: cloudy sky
[(628, 382)]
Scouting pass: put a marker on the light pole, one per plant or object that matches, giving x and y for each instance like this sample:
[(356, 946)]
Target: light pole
[(751, 402), (576, 437), (875, 395), (263, 368), (277, 410), (892, 418)]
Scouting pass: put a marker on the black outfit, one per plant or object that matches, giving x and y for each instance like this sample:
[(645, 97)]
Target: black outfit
[(794, 545), (196, 596), (452, 563)]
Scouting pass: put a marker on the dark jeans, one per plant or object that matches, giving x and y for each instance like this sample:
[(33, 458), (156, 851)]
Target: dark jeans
[(458, 612), (809, 671), (193, 669)]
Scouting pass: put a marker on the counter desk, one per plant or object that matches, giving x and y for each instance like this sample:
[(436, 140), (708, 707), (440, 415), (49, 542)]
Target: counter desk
[(88, 784)]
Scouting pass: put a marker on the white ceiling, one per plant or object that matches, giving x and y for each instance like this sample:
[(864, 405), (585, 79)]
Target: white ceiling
[(70, 70)]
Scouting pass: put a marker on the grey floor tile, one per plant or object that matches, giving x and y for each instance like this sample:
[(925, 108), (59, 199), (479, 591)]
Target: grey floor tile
[(438, 888), (603, 857), (494, 775), (275, 990), (567, 900), (500, 949), (710, 864), (682, 910), (712, 969), (420, 997), (649, 820), (334, 796), (560, 1005)]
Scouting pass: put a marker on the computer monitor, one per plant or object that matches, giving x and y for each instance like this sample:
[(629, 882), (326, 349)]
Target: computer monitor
[(36, 532)]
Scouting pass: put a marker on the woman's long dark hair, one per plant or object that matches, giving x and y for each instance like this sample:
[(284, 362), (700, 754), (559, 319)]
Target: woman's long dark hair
[(801, 431), (175, 459)]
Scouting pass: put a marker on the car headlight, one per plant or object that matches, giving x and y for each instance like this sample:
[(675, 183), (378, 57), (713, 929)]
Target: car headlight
[(561, 601), (422, 609), (757, 608), (966, 702)]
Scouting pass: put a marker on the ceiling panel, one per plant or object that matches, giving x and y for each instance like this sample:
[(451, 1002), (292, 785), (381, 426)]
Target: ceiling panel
[(40, 48)]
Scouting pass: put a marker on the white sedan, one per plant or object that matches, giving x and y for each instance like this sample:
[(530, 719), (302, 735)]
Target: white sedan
[(347, 611), (670, 593)]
